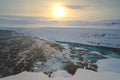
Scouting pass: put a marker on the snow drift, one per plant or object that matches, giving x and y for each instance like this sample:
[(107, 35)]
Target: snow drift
[(80, 75)]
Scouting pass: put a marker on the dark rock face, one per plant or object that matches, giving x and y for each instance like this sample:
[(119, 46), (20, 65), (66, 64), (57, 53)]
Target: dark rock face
[(12, 44)]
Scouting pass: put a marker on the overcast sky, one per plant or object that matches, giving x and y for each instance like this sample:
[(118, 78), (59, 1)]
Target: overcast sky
[(76, 10)]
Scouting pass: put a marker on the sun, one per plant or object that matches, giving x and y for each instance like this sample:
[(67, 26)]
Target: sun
[(59, 11)]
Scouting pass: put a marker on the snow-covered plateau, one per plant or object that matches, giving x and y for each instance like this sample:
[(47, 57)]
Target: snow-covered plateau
[(89, 36)]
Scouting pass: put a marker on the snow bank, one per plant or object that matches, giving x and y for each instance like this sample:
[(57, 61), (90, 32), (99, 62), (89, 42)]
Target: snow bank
[(79, 48), (80, 75), (90, 75), (27, 76), (95, 52), (109, 65), (61, 73)]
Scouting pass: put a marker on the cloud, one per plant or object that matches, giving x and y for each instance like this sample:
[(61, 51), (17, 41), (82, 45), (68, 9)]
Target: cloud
[(75, 6), (31, 22), (11, 17), (21, 21)]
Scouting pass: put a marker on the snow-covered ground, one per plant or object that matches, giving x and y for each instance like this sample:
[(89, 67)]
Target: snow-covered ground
[(99, 37), (80, 75), (109, 65), (108, 68)]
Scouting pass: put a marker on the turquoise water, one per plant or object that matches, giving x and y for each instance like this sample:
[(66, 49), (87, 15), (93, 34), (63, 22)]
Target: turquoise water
[(106, 52), (59, 65), (74, 58)]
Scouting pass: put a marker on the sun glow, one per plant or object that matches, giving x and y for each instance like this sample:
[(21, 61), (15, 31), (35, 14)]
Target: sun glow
[(59, 11)]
